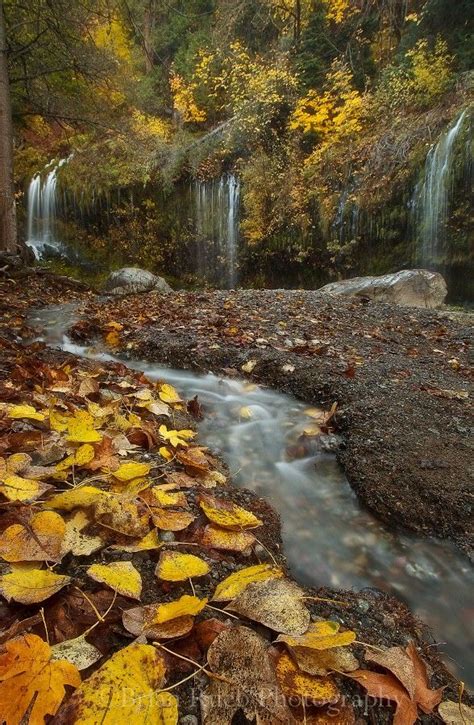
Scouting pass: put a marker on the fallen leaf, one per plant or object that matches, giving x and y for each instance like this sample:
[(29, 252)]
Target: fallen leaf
[(131, 470), (147, 543), (425, 698), (175, 567), (134, 620), (125, 689), (227, 514), (82, 496), (216, 537), (185, 605), (168, 394), (76, 541), (27, 673), (16, 488), (295, 683), (320, 636), (248, 366), (25, 411), (121, 576), (123, 515), (30, 586), (169, 520), (39, 540), (240, 656), (235, 583), (322, 662), (275, 603), (387, 687), (77, 651), (456, 713), (398, 662)]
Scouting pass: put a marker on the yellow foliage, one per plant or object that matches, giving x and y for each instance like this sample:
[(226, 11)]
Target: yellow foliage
[(25, 411), (111, 36), (132, 469), (185, 605), (338, 11), (121, 576), (146, 126), (76, 497), (234, 584), (30, 586), (228, 515), (295, 683), (183, 100), (430, 69), (125, 689), (28, 673), (176, 567)]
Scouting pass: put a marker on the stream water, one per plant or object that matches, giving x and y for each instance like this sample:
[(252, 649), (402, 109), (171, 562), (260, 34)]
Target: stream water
[(329, 539)]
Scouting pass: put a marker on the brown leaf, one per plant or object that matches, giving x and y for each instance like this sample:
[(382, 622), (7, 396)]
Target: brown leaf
[(398, 662), (240, 655), (426, 698), (387, 687), (134, 622), (276, 603)]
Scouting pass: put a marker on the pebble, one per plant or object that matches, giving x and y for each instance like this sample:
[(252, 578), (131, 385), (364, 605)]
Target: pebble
[(167, 536), (188, 720)]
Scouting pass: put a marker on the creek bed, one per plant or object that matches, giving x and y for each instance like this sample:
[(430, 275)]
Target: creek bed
[(329, 539)]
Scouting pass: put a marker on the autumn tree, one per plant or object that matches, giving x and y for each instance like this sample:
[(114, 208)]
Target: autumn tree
[(8, 231)]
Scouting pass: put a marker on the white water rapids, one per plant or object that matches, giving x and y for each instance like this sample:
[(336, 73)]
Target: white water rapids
[(329, 539)]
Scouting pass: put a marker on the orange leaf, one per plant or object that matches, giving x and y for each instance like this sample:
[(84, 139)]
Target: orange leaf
[(26, 672), (387, 687)]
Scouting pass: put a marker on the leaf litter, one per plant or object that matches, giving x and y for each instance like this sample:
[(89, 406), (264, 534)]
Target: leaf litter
[(98, 461)]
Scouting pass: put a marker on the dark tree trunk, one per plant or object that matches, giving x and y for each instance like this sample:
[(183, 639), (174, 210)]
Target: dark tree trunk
[(149, 19), (8, 229)]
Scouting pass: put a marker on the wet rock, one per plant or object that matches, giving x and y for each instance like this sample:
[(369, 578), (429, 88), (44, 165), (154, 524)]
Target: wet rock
[(409, 287), (132, 280)]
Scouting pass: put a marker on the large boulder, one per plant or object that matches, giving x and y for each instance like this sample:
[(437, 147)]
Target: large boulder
[(131, 280), (410, 287)]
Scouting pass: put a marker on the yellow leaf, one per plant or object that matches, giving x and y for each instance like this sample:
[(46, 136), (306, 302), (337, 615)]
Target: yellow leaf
[(319, 636), (126, 689), (185, 605), (217, 538), (27, 673), (16, 488), (165, 453), (295, 683), (134, 622), (245, 412), (131, 470), (77, 542), (41, 540), (112, 338), (235, 583), (176, 567), (168, 394), (25, 411), (84, 455), (80, 432), (165, 498), (58, 421), (121, 576), (227, 514), (76, 497), (148, 542), (168, 520), (30, 586), (122, 514)]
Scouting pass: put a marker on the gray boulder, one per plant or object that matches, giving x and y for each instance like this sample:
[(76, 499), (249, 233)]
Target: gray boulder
[(132, 280), (410, 287)]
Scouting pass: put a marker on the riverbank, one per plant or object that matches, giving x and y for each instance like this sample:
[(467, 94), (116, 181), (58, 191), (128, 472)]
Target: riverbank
[(401, 378), (30, 375)]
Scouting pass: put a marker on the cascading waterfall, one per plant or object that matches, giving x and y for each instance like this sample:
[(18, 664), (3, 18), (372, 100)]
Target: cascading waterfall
[(431, 202), (216, 208), (41, 212)]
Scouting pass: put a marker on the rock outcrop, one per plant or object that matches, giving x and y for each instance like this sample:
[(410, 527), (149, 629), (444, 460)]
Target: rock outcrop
[(132, 280), (409, 287)]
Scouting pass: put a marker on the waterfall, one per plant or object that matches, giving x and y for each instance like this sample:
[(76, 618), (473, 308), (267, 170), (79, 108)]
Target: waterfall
[(216, 209), (431, 201), (41, 212)]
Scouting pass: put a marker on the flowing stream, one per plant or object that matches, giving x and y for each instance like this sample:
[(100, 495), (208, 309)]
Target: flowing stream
[(329, 539), (41, 212)]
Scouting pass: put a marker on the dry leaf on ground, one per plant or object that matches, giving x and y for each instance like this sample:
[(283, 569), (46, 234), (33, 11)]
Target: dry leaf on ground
[(276, 603), (125, 689), (30, 586), (77, 651), (235, 583), (295, 683), (39, 539), (227, 514), (134, 620), (320, 636), (121, 576), (387, 687), (175, 567), (27, 671), (240, 655)]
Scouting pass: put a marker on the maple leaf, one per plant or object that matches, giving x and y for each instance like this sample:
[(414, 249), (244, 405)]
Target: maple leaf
[(26, 672)]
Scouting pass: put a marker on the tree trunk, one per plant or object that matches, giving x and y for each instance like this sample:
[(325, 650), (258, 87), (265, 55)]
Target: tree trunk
[(149, 18), (8, 230)]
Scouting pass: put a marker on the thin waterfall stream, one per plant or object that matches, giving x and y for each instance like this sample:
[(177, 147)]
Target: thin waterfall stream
[(329, 539)]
